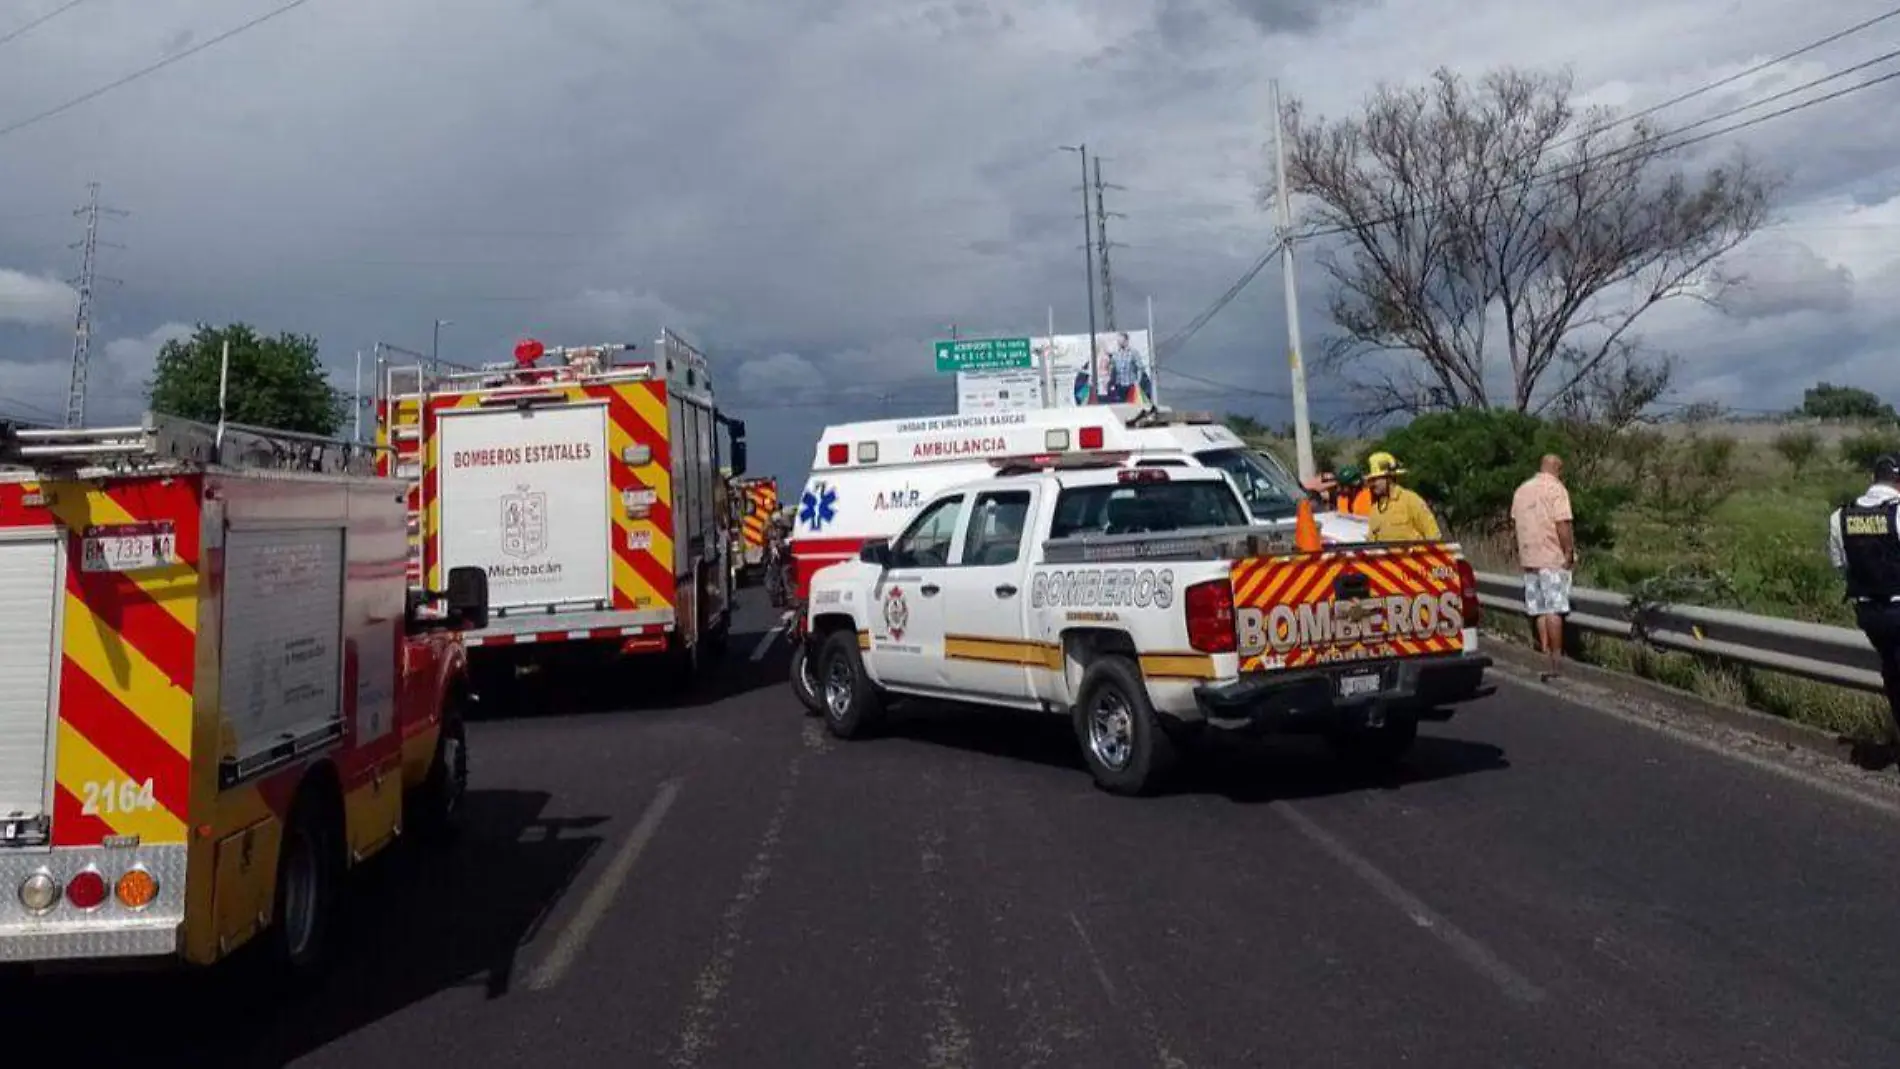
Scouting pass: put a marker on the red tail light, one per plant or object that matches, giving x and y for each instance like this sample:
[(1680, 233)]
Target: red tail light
[(86, 890), (1210, 616), (1468, 592), (1089, 438), (838, 453)]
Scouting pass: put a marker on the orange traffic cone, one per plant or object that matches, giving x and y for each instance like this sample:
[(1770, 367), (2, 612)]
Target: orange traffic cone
[(1306, 530)]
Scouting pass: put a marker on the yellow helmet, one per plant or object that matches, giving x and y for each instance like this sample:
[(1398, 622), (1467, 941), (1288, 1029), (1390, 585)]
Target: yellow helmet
[(1383, 464)]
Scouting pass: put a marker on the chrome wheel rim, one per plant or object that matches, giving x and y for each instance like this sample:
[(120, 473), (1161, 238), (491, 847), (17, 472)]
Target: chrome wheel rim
[(837, 688), (1112, 732)]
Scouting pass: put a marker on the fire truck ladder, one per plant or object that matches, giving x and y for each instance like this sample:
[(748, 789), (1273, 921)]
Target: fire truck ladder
[(406, 394), (169, 440)]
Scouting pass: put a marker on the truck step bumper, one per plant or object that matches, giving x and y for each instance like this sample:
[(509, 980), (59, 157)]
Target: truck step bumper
[(1312, 701), (109, 931)]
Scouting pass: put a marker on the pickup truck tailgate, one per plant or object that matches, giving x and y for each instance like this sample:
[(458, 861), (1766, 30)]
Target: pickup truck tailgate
[(1301, 610)]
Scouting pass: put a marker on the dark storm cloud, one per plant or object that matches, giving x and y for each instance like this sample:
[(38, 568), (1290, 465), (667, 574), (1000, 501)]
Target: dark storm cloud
[(813, 188)]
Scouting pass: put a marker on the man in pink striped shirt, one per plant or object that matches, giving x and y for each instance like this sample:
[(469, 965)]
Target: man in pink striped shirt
[(1547, 551)]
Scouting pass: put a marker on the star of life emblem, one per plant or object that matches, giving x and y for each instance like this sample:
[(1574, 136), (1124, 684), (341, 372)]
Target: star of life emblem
[(524, 523), (896, 614)]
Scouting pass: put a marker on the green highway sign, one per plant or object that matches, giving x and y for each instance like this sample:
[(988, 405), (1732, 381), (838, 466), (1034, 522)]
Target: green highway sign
[(983, 354)]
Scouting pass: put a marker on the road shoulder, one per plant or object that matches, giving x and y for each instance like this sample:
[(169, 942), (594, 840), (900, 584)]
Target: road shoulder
[(1792, 750)]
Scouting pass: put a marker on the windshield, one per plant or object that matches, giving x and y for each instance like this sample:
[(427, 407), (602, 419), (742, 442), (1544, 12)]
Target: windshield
[(1267, 491), (1145, 508)]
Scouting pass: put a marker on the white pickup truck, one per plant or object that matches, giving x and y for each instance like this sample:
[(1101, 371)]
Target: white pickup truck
[(1141, 603)]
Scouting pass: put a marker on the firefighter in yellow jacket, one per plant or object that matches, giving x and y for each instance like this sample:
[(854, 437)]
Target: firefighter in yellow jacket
[(1398, 514)]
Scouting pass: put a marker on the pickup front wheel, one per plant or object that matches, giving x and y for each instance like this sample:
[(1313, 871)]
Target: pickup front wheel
[(853, 707), (1123, 742)]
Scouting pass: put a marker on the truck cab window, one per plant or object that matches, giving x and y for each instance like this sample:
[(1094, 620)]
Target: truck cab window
[(996, 528), (1268, 492), (1145, 508), (926, 544)]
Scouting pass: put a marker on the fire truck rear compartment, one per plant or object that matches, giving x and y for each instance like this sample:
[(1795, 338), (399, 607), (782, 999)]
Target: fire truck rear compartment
[(111, 901), (30, 573)]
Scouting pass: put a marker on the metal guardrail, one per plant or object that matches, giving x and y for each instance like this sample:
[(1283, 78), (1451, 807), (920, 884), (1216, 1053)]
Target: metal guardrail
[(1838, 655)]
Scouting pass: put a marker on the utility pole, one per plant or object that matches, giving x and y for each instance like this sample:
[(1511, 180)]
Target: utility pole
[(82, 320), (1302, 428), (1088, 268), (1102, 245)]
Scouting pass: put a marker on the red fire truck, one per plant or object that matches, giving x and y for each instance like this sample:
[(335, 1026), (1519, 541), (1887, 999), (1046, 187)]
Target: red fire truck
[(585, 485), (219, 697)]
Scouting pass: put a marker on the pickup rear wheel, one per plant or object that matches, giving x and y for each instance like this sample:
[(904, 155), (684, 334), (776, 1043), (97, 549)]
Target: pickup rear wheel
[(1123, 742), (853, 707)]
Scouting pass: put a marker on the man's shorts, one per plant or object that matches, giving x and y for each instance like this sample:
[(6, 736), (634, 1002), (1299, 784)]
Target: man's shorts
[(1547, 592)]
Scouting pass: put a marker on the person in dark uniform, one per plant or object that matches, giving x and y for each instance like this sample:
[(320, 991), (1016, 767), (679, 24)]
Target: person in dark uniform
[(1863, 543)]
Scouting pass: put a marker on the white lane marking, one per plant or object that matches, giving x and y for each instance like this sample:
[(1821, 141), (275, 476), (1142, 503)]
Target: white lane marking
[(1832, 788), (697, 1031), (1473, 953), (765, 642), (947, 1042), (574, 937)]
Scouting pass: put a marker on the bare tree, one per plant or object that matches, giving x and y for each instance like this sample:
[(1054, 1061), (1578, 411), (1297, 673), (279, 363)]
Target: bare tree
[(1456, 209)]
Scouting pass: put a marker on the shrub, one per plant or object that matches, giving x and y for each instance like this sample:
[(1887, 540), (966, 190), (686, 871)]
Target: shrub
[(1798, 448), (1468, 463), (1861, 450)]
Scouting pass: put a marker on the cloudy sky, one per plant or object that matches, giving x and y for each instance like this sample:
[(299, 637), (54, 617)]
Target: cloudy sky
[(815, 189)]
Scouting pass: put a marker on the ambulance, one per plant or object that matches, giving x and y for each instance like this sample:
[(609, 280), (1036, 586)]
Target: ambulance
[(867, 479), (586, 486), (219, 697)]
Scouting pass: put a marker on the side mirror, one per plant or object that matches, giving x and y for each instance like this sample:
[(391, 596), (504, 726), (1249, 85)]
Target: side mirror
[(735, 430), (876, 551), (467, 597)]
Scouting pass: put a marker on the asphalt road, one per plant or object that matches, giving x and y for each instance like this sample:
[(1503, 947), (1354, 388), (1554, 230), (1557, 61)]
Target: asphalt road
[(718, 883)]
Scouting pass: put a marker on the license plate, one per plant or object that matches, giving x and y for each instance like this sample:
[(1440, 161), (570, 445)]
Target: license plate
[(1359, 684), (128, 547)]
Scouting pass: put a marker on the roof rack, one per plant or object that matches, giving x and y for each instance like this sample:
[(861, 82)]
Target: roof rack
[(160, 439)]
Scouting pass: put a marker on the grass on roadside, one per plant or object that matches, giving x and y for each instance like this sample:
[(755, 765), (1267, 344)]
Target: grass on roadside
[(1740, 526)]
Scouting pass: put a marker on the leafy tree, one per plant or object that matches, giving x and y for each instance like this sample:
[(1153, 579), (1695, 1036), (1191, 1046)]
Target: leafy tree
[(1458, 207), (1469, 462), (274, 382), (1827, 401)]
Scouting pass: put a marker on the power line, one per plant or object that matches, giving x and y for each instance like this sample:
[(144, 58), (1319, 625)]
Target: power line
[(151, 68), (42, 20), (1663, 144), (1720, 83)]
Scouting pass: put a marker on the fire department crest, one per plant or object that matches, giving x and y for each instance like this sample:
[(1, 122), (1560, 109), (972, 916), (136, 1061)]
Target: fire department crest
[(896, 614), (524, 522)]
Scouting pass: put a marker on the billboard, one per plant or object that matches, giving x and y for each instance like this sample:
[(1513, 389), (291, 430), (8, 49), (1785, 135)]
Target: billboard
[(1124, 374)]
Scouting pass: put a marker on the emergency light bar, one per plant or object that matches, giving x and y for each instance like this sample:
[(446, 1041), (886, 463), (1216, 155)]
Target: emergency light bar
[(1204, 543), (1070, 461)]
